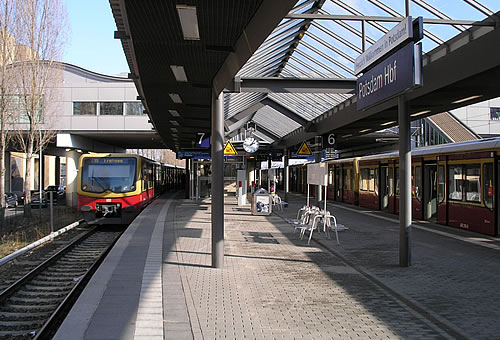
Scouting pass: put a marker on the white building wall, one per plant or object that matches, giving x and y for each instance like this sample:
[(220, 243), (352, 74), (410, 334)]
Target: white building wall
[(80, 85), (478, 118)]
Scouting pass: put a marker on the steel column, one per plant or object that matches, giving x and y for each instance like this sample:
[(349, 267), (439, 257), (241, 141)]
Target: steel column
[(287, 175), (405, 183), (217, 140)]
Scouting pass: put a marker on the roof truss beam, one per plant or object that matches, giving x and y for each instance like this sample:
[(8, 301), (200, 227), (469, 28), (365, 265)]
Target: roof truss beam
[(387, 19), (292, 85)]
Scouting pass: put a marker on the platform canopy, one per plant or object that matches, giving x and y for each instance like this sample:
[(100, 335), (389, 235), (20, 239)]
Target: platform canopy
[(287, 67)]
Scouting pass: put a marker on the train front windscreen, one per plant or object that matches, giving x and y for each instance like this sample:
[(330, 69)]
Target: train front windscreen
[(117, 175)]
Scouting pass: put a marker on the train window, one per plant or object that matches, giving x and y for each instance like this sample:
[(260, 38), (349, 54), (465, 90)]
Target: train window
[(472, 184), (441, 184), (417, 183), (396, 178), (371, 180), (363, 180), (376, 181), (488, 185), (455, 183)]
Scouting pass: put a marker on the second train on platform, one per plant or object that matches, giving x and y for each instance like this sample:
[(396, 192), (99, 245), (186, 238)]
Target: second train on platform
[(452, 184), (114, 188)]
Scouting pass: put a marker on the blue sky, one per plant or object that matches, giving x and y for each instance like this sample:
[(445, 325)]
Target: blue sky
[(90, 41)]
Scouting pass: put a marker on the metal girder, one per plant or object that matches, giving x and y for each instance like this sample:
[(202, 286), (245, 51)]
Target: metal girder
[(386, 19), (284, 111), (294, 85)]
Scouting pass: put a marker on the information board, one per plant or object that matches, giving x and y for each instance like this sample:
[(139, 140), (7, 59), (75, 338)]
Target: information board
[(317, 174)]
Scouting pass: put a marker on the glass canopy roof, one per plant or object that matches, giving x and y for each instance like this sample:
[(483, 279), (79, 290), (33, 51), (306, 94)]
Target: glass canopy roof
[(322, 38)]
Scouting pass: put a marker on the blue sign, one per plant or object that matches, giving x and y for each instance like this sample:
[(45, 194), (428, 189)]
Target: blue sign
[(392, 76), (193, 154)]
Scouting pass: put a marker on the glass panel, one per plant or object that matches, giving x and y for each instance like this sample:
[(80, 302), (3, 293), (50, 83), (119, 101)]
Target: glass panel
[(134, 109), (455, 182), (111, 109), (488, 185), (376, 181), (345, 181), (351, 180), (472, 183), (441, 184), (417, 183), (114, 174), (85, 108)]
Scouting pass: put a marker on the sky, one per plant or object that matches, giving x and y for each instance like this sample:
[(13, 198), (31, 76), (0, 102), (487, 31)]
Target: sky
[(91, 44)]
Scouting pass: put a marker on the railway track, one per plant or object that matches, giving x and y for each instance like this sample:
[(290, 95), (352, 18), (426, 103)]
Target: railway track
[(37, 302)]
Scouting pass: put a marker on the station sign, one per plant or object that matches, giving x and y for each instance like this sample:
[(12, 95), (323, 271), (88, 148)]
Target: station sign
[(398, 35), (193, 154), (395, 74), (276, 154)]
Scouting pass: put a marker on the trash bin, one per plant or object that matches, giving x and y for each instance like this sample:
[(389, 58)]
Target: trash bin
[(261, 203)]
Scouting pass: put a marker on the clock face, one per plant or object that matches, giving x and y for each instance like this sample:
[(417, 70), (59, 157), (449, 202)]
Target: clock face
[(250, 145)]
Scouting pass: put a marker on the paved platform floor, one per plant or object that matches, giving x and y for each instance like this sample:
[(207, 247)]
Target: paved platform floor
[(275, 286)]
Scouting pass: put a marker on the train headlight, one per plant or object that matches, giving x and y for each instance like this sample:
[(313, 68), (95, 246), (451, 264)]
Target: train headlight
[(84, 187), (132, 187)]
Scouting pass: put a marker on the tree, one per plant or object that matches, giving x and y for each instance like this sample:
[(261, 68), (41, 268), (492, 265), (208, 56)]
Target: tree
[(8, 30), (40, 44)]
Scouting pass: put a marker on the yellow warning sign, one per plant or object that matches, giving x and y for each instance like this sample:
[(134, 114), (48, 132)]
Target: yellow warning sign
[(304, 150), (229, 149)]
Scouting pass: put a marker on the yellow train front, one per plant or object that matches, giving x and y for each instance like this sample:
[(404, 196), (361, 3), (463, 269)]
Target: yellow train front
[(114, 188)]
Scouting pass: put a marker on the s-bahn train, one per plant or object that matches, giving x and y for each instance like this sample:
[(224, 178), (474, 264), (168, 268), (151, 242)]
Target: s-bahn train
[(452, 184), (114, 188)]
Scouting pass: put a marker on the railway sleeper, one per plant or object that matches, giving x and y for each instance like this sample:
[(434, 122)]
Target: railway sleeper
[(45, 288), (32, 301), (13, 308), (13, 334), (26, 324), (44, 294), (24, 315)]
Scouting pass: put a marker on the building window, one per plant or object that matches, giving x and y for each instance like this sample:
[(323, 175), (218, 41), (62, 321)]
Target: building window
[(85, 108), (134, 109), (111, 109), (495, 113)]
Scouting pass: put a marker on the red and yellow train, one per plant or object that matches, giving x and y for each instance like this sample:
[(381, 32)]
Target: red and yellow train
[(114, 188), (452, 184)]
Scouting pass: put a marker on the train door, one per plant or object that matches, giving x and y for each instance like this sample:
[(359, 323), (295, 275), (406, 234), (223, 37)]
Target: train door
[(338, 185), (384, 187), (442, 209), (430, 192)]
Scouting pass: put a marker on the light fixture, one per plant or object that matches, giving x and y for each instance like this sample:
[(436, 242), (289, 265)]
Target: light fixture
[(174, 113), (80, 151), (388, 123), (365, 130), (175, 98), (173, 130), (348, 135), (174, 122), (465, 99), (179, 73), (189, 22), (420, 113)]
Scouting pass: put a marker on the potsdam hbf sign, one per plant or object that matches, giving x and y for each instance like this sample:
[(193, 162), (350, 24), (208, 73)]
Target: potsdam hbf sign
[(393, 75)]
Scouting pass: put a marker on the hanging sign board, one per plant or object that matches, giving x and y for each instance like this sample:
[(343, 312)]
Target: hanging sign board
[(304, 150), (399, 34), (392, 76), (229, 149), (317, 174)]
